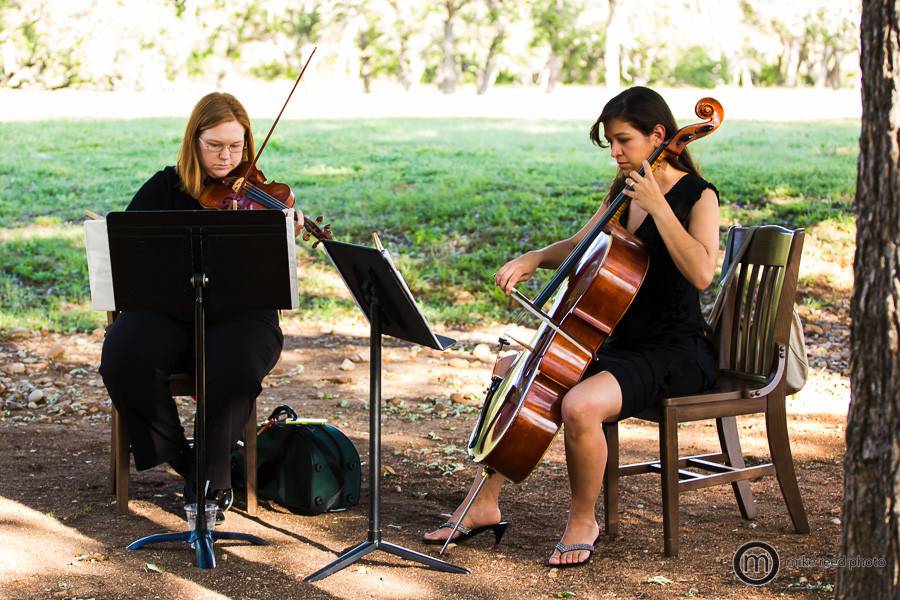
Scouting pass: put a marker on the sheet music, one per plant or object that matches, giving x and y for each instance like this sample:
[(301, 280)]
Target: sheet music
[(399, 275), (96, 243), (292, 258), (439, 341)]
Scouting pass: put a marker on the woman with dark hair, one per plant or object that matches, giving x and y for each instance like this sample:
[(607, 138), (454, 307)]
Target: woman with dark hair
[(142, 348), (662, 346)]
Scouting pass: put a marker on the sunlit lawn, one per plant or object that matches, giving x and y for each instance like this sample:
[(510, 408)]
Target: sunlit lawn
[(453, 199)]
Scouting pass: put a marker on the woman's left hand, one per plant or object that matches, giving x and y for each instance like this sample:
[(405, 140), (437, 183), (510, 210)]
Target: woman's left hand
[(298, 221), (645, 190)]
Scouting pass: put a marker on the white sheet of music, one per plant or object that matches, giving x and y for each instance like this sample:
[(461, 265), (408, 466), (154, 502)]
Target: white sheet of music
[(292, 258), (96, 243)]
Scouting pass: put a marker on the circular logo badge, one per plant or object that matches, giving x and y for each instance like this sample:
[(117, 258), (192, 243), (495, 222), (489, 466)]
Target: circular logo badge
[(756, 563)]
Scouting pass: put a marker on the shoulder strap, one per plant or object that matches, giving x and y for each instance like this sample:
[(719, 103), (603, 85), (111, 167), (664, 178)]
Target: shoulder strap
[(727, 277)]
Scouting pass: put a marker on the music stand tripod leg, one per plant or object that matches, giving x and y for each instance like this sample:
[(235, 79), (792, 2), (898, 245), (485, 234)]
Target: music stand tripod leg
[(374, 541)]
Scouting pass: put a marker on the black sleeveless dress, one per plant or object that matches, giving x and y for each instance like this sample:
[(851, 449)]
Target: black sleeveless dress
[(662, 347)]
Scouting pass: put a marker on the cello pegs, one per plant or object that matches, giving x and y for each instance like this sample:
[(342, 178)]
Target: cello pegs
[(319, 220), (305, 236)]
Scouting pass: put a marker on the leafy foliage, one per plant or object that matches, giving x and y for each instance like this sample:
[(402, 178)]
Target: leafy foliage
[(52, 44)]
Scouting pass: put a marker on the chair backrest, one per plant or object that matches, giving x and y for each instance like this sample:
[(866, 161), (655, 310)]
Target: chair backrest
[(759, 301)]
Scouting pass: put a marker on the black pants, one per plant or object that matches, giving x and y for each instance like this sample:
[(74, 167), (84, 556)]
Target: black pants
[(141, 350)]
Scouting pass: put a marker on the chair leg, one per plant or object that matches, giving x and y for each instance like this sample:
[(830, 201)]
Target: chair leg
[(731, 448), (668, 455), (113, 444), (611, 480), (780, 450), (122, 462), (250, 461)]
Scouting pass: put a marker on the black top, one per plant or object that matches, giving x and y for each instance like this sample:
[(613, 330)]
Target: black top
[(662, 347), (163, 191), (667, 306)]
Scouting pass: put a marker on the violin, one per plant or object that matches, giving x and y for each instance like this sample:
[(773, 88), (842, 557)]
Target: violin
[(246, 188)]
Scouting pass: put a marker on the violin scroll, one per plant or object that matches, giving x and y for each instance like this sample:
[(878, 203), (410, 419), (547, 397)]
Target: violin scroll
[(314, 229)]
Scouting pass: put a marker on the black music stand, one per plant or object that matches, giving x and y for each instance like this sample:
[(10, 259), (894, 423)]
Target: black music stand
[(163, 260), (383, 296)]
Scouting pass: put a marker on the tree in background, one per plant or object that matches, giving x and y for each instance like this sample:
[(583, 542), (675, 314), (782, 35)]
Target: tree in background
[(612, 44), (54, 45), (137, 44), (449, 70), (832, 34), (871, 511), (30, 32), (404, 37), (555, 28), (813, 43), (496, 18)]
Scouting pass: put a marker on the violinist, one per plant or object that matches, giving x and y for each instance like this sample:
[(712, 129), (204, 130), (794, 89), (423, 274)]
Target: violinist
[(142, 348), (661, 347)]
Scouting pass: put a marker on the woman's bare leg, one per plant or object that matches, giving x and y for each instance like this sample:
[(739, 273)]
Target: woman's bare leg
[(585, 407), (484, 511)]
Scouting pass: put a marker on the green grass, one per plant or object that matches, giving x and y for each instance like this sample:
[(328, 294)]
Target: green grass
[(453, 199)]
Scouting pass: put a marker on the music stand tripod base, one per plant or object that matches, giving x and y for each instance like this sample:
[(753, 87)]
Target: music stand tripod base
[(202, 543), (374, 541)]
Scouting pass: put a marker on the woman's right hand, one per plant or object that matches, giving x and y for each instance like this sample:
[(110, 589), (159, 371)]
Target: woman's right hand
[(516, 270)]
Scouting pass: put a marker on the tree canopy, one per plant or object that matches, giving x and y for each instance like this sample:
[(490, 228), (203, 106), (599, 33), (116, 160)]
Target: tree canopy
[(131, 44)]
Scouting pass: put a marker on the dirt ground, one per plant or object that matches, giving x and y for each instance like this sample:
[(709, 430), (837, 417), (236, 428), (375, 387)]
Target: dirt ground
[(60, 536)]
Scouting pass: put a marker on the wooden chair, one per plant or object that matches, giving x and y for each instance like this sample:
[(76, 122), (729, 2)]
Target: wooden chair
[(181, 384), (753, 339)]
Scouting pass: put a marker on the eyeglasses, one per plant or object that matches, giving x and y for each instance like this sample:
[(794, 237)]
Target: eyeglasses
[(217, 147)]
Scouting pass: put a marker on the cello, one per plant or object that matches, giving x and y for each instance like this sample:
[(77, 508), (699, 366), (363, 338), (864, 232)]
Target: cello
[(590, 293)]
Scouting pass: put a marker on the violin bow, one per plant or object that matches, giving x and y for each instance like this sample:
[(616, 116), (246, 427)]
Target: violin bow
[(240, 182)]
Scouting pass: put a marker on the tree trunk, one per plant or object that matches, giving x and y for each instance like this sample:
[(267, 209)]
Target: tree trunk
[(403, 63), (489, 73), (403, 34), (611, 61), (792, 64), (554, 71), (821, 68), (871, 511), (448, 67), (365, 72), (833, 77)]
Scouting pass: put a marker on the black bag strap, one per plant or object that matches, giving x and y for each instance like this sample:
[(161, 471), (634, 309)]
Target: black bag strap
[(283, 413)]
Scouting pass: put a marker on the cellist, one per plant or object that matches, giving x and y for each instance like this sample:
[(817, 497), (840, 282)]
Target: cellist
[(142, 348), (662, 346)]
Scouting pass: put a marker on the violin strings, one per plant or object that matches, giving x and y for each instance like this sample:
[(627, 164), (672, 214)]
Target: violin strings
[(262, 197)]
